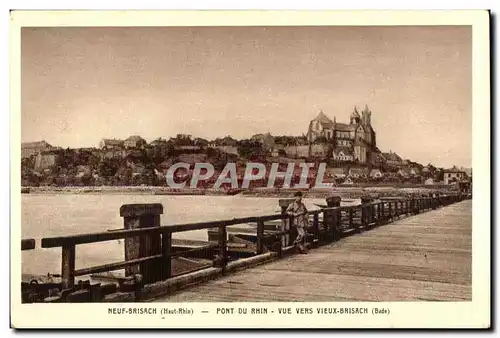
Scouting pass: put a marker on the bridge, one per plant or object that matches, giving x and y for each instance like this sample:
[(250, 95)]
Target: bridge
[(422, 258), (398, 249)]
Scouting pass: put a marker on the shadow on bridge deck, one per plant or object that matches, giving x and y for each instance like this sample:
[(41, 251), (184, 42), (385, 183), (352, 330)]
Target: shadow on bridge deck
[(424, 257)]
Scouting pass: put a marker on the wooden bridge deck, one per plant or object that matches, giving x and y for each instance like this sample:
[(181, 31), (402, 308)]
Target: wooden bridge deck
[(423, 257)]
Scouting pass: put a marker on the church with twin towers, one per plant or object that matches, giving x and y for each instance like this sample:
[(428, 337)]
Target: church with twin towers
[(355, 141)]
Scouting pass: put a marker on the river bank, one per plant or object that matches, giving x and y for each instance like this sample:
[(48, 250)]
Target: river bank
[(345, 192)]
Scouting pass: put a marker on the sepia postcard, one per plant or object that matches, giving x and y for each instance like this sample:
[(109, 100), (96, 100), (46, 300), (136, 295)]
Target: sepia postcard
[(250, 169)]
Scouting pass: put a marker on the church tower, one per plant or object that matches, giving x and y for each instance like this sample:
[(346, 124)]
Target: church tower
[(366, 116), (355, 118)]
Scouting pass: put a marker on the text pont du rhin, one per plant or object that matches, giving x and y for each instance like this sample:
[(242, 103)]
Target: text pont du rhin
[(301, 311)]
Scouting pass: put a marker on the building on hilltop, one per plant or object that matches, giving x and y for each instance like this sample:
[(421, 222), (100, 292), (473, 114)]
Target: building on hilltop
[(267, 140), (135, 141), (358, 136), (34, 148), (392, 159), (453, 175), (226, 145), (111, 143)]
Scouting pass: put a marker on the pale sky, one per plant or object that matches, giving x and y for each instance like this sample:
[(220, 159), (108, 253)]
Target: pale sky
[(82, 84)]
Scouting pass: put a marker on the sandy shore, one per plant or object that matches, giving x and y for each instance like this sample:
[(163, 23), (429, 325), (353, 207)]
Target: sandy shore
[(345, 192)]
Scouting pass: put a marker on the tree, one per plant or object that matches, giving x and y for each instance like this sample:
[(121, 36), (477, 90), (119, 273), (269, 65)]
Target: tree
[(108, 168), (439, 175), (248, 148)]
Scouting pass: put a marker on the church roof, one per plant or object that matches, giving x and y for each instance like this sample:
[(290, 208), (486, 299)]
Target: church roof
[(324, 120), (134, 138), (391, 157)]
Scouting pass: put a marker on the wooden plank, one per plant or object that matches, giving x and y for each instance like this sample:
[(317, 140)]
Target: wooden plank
[(115, 266), (52, 242)]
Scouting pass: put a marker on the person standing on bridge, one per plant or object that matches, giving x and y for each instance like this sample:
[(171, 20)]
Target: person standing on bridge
[(298, 210)]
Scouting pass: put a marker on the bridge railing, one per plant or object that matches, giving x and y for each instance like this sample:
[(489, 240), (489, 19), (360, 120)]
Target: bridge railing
[(154, 255)]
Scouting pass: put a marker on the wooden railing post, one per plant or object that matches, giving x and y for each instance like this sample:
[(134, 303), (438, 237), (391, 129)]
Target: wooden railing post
[(68, 266), (333, 216), (382, 212), (166, 250), (260, 237), (351, 219), (390, 211), (27, 244), (137, 216), (366, 211), (222, 247), (316, 227)]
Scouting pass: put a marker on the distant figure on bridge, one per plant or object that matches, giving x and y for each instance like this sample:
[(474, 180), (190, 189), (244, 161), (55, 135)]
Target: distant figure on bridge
[(298, 210)]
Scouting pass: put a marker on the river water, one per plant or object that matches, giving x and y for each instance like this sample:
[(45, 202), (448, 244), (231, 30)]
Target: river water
[(48, 215)]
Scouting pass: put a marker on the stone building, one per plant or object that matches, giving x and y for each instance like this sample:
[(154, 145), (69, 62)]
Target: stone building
[(392, 159), (111, 144), (358, 136), (453, 175), (135, 141)]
